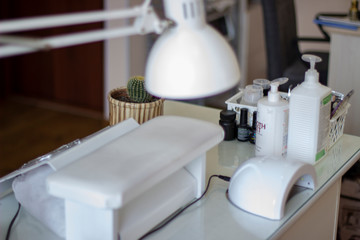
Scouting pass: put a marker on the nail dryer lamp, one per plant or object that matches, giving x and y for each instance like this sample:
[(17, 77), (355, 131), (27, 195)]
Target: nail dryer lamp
[(261, 185)]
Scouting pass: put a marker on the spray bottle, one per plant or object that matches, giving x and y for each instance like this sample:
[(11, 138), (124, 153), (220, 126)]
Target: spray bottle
[(309, 116), (272, 124)]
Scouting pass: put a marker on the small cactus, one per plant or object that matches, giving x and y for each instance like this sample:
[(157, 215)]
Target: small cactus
[(136, 90)]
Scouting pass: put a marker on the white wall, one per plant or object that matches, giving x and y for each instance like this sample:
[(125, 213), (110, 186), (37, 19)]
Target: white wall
[(257, 55), (116, 66), (123, 57)]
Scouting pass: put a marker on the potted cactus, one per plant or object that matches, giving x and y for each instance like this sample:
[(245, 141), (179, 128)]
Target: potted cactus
[(133, 101)]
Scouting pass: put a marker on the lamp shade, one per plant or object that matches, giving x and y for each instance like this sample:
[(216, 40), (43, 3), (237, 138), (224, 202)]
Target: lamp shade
[(190, 60)]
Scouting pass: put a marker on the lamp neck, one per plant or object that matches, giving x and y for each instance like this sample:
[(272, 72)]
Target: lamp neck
[(186, 13)]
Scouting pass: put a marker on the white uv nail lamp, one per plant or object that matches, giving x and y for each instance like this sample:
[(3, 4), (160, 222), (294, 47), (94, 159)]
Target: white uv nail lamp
[(261, 185)]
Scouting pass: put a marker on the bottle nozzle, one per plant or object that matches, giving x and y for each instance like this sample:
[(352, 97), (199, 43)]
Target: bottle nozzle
[(274, 95), (311, 75), (312, 59), (281, 80), (274, 87)]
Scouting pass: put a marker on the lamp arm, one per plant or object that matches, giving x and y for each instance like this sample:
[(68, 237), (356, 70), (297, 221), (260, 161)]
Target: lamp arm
[(146, 21)]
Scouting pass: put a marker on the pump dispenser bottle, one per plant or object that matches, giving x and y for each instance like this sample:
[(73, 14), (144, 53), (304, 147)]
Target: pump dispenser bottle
[(272, 124), (309, 116)]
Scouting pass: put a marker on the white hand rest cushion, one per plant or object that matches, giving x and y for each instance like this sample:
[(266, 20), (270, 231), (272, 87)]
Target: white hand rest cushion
[(261, 185), (131, 184), (123, 169)]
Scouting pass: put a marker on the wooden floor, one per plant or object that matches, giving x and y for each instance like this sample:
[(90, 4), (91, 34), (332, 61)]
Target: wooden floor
[(28, 131)]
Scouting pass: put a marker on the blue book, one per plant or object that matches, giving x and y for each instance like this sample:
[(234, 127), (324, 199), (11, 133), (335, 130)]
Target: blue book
[(339, 24)]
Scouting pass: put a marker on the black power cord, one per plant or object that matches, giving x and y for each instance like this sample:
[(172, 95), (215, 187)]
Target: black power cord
[(225, 178), (12, 223)]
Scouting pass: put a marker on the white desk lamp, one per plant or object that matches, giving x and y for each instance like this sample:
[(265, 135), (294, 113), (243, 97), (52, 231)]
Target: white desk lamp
[(189, 60)]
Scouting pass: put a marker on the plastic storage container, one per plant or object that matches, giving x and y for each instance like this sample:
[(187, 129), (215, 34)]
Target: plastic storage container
[(272, 124), (309, 117), (253, 93), (264, 83)]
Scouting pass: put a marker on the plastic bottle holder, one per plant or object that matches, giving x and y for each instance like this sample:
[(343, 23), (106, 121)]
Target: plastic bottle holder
[(337, 123), (237, 102)]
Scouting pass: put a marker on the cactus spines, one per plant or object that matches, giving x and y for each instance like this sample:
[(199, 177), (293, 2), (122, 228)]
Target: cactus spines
[(136, 90)]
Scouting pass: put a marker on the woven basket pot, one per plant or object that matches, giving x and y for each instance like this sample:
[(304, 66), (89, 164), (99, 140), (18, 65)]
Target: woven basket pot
[(141, 112)]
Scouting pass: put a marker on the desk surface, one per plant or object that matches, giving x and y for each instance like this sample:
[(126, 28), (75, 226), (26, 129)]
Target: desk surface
[(214, 217)]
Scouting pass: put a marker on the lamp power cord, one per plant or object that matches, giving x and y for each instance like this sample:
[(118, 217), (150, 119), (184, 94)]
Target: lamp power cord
[(225, 178), (12, 223)]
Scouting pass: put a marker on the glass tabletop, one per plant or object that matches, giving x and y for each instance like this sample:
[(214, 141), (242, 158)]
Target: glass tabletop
[(214, 217)]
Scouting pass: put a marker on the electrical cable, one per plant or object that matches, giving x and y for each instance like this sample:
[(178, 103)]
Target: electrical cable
[(225, 178), (12, 223)]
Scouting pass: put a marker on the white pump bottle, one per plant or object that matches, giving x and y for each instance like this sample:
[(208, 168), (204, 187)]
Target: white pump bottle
[(272, 124), (309, 117)]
